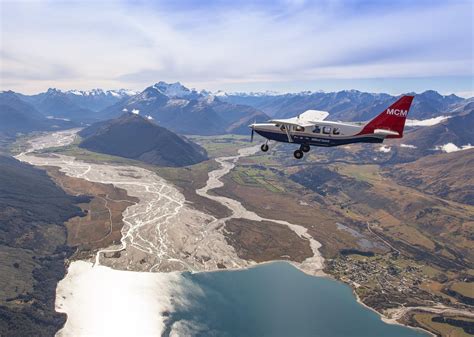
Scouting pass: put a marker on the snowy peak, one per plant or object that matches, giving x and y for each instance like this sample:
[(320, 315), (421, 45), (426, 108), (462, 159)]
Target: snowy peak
[(176, 90), (120, 93)]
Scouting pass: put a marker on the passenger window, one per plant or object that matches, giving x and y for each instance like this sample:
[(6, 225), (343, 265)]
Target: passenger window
[(299, 128), (336, 131), (282, 128), (317, 129), (327, 130)]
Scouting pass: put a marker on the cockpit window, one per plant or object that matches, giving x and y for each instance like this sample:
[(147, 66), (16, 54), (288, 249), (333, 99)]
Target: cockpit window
[(327, 130), (316, 129), (336, 131)]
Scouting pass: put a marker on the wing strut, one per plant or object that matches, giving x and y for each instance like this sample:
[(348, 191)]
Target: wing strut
[(288, 133)]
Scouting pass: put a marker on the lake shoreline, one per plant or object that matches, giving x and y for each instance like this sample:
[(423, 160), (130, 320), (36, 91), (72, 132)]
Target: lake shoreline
[(322, 274)]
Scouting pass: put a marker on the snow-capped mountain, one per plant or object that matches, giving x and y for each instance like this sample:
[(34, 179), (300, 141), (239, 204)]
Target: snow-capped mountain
[(175, 90), (120, 93), (188, 111)]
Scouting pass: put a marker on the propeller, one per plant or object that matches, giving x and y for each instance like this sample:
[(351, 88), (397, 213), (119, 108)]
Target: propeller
[(251, 135)]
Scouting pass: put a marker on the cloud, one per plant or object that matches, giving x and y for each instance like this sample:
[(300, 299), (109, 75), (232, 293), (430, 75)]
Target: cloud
[(426, 122), (218, 44), (450, 147), (384, 149)]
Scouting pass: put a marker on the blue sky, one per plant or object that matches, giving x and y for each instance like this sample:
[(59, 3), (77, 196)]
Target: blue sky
[(378, 46)]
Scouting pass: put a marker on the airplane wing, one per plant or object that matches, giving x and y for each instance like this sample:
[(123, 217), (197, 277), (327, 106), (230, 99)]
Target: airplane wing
[(313, 115), (307, 118), (291, 121)]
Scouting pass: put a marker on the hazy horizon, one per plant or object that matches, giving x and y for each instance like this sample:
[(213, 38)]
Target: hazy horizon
[(277, 92)]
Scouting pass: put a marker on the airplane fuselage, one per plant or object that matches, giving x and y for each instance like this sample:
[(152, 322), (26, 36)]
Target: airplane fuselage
[(324, 133)]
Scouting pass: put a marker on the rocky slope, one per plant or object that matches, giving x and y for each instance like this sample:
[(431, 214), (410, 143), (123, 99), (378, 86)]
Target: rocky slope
[(32, 248)]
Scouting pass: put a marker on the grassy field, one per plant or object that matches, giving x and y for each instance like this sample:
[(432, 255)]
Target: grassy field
[(367, 173), (257, 177), (219, 146), (425, 320), (464, 288)]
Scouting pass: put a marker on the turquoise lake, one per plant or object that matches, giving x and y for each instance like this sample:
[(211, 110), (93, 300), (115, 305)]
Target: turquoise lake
[(274, 299)]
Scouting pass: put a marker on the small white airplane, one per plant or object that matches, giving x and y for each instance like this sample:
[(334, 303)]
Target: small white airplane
[(311, 129)]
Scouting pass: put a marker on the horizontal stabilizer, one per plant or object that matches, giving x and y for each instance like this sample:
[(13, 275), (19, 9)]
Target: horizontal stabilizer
[(384, 132)]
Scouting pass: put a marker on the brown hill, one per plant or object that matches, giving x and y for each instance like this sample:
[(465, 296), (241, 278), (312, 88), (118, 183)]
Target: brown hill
[(132, 136), (448, 175)]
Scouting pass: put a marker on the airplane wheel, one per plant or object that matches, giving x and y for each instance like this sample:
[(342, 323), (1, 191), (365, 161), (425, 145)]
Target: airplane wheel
[(264, 147), (298, 154), (305, 148)]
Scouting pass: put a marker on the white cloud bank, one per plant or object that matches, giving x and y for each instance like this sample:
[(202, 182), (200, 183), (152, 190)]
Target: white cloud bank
[(221, 45), (426, 122)]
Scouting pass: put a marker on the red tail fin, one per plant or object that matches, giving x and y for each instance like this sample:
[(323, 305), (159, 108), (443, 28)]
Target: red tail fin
[(392, 119)]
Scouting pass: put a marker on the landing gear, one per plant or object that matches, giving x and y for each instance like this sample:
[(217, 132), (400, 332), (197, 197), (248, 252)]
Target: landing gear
[(264, 147), (305, 148), (298, 154)]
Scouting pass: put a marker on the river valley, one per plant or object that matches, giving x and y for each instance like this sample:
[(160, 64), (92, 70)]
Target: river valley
[(156, 279)]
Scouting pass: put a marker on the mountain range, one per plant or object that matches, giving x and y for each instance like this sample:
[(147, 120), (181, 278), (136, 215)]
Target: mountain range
[(188, 111), (347, 105), (79, 106), (135, 137)]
